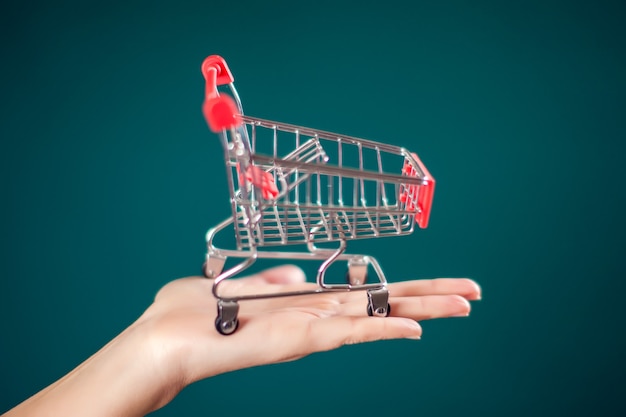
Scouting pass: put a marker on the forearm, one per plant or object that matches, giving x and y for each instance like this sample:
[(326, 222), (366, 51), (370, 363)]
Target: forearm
[(125, 378)]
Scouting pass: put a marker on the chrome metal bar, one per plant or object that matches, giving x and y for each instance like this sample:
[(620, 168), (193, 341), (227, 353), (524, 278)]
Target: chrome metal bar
[(336, 171), (322, 134), (252, 257), (321, 272)]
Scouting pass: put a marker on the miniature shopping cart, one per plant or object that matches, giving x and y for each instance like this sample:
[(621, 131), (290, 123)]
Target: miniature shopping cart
[(291, 185)]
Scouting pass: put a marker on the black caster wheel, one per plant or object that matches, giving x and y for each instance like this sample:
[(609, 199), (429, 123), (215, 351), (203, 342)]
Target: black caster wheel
[(226, 328), (370, 311), (213, 265), (378, 302), (226, 321)]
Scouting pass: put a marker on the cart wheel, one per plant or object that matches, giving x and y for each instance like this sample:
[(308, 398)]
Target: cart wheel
[(226, 321), (213, 265), (226, 328), (357, 271), (355, 280), (380, 313)]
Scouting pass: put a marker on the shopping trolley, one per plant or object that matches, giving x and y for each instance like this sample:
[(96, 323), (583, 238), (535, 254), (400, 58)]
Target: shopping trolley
[(290, 185)]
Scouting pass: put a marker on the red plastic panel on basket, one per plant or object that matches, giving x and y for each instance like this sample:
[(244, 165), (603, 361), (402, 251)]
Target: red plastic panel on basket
[(260, 179), (422, 205), (425, 202)]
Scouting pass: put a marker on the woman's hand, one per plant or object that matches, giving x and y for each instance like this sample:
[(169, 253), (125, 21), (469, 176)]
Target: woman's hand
[(282, 329), (174, 342)]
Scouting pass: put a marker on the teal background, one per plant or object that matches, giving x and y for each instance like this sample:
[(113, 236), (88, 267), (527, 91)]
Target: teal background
[(110, 179)]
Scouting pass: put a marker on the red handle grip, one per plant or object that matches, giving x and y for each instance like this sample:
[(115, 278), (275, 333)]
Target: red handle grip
[(215, 72)]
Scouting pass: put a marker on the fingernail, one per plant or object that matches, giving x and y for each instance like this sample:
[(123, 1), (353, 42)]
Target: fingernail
[(478, 292), (415, 326), (463, 308)]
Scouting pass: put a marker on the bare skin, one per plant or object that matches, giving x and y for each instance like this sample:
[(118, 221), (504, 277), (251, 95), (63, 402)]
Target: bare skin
[(174, 342)]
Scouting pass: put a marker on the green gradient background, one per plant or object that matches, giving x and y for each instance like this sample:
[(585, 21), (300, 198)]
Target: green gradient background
[(110, 178)]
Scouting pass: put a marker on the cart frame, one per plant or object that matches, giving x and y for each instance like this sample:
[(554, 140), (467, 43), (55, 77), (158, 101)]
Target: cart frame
[(306, 197)]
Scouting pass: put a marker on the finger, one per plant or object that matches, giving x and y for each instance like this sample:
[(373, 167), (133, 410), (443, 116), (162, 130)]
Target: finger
[(416, 308), (275, 280), (430, 307), (257, 283), (464, 287), (285, 274), (336, 331), (422, 299)]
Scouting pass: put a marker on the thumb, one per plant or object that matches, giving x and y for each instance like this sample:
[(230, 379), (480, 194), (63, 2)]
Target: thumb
[(285, 274)]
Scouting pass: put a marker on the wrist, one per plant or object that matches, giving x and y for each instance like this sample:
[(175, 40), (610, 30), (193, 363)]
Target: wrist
[(148, 365), (130, 376)]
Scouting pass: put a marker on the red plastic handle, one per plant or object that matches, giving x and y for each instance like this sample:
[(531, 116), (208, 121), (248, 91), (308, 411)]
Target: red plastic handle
[(220, 111), (215, 72)]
